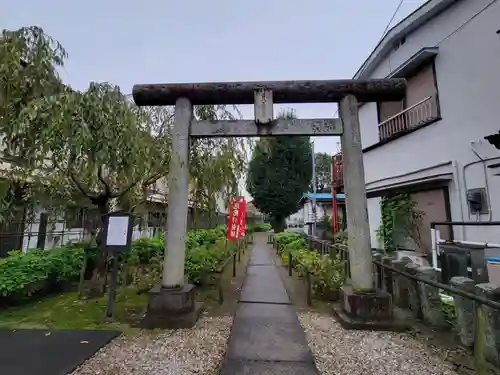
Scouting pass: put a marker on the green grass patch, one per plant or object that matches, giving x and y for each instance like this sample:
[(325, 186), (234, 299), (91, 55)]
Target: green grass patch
[(68, 311)]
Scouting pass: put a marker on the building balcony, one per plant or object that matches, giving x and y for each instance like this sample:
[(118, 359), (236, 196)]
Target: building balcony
[(413, 117)]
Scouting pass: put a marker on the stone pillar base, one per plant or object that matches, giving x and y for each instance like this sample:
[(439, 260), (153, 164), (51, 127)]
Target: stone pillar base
[(171, 308), (369, 311)]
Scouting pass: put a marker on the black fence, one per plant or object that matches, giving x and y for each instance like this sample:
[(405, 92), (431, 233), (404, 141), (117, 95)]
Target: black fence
[(46, 230)]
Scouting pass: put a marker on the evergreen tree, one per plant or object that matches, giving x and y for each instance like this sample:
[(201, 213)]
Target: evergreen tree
[(279, 174)]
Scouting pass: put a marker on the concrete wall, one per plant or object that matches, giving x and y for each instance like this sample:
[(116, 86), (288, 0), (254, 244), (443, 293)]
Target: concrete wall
[(374, 218), (468, 83)]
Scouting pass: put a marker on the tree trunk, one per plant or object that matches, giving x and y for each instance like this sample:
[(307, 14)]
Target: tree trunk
[(102, 255), (278, 224)]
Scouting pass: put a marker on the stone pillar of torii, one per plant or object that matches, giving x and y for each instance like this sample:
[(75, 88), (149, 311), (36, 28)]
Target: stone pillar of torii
[(172, 304)]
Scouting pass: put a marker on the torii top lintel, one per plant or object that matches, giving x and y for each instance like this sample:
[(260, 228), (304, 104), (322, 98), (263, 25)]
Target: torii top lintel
[(215, 93)]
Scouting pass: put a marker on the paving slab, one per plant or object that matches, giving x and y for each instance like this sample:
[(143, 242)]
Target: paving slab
[(263, 284), (268, 368), (263, 332), (266, 337), (261, 256), (48, 352)]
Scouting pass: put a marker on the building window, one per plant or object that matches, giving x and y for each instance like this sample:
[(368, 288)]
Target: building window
[(77, 218), (418, 108)]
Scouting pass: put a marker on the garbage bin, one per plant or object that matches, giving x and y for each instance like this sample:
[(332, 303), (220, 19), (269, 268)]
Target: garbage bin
[(493, 265)]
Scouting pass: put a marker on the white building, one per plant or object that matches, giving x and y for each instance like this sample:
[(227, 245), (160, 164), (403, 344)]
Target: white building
[(46, 229), (296, 219), (323, 208), (432, 144)]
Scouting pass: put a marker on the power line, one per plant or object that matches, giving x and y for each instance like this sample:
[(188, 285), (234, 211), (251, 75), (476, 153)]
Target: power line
[(363, 68), (466, 22), (385, 30), (392, 18)]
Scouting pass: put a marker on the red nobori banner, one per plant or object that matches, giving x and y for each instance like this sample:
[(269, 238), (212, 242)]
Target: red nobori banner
[(236, 218), (242, 213)]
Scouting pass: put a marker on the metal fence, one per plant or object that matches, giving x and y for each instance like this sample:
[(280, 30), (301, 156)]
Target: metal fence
[(51, 233), (46, 230), (465, 309)]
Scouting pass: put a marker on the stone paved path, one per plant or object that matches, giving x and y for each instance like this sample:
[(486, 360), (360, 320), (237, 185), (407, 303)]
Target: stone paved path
[(266, 337)]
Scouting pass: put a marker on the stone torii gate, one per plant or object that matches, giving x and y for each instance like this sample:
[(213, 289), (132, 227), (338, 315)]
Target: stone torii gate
[(172, 304)]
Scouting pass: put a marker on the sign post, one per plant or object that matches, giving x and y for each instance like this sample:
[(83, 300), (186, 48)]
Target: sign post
[(117, 237)]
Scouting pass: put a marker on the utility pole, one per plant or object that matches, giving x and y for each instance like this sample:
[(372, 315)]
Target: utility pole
[(314, 188)]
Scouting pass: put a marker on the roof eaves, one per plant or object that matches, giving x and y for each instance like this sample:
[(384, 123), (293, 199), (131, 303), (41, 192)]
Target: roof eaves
[(421, 15)]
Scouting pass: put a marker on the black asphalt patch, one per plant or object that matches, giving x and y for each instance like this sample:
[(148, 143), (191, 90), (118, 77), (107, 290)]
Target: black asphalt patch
[(48, 352)]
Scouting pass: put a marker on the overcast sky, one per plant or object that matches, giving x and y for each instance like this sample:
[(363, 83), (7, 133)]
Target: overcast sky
[(128, 42), (155, 41)]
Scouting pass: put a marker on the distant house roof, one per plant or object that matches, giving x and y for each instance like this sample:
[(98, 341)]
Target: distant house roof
[(320, 197), (252, 210)]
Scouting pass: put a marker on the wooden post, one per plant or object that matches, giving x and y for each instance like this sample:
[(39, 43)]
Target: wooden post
[(234, 263), (309, 288)]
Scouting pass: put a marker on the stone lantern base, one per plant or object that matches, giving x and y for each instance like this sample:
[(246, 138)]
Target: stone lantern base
[(366, 310), (172, 308)]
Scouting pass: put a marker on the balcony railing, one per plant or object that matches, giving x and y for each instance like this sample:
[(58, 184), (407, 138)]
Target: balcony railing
[(412, 117)]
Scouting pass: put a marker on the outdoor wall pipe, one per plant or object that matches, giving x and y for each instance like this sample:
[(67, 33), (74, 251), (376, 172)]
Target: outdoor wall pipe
[(434, 243), (456, 180), (485, 244), (434, 224), (486, 182), (435, 240)]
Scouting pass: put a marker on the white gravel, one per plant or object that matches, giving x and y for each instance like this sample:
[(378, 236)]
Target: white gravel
[(199, 350), (340, 351)]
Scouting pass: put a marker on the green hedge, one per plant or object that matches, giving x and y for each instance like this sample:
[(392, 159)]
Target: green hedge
[(24, 274), (327, 273), (261, 227)]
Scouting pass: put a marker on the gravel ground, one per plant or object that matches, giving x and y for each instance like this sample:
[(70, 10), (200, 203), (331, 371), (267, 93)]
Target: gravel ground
[(340, 351), (199, 350)]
